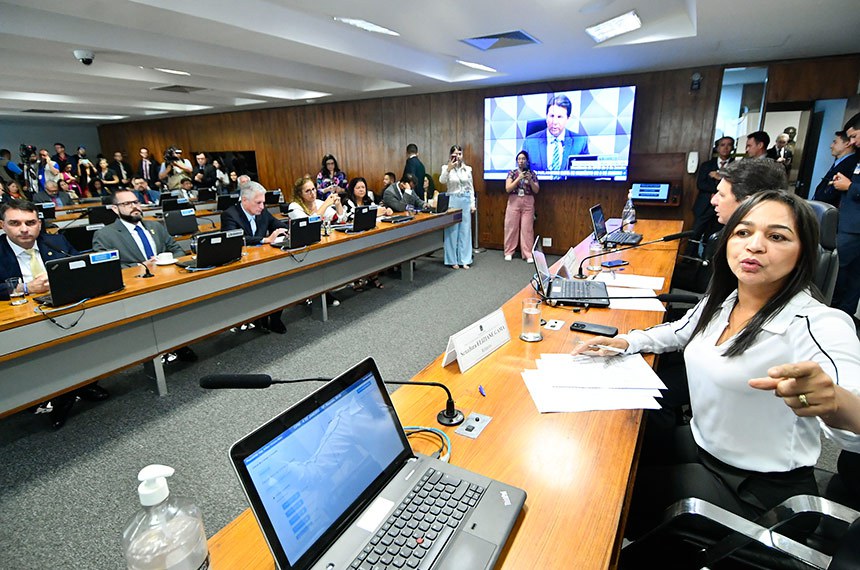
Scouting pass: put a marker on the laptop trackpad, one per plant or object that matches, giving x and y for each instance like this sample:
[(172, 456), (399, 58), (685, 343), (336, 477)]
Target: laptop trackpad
[(467, 551)]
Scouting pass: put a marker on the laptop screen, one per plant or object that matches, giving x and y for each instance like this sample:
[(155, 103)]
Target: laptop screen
[(598, 221), (324, 463), (541, 266)]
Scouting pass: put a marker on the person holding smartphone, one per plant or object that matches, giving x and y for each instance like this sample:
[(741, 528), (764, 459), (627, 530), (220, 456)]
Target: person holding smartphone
[(521, 186), (457, 176)]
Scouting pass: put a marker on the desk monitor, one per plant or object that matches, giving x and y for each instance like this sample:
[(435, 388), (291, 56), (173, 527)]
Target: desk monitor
[(181, 222), (655, 192), (364, 219), (81, 237), (206, 194), (215, 249), (173, 204), (442, 201), (273, 197), (226, 200)]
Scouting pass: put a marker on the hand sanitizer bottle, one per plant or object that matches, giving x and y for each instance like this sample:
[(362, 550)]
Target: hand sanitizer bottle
[(628, 214), (167, 534)]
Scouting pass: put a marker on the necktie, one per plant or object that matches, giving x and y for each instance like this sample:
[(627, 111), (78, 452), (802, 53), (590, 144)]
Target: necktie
[(36, 266), (147, 249), (556, 155), (722, 164), (146, 169), (253, 222)]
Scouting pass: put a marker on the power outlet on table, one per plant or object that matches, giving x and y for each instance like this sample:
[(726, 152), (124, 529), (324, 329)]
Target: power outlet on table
[(547, 241)]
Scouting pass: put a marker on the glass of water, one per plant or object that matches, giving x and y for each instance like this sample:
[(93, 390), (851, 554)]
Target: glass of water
[(531, 320), (16, 291)]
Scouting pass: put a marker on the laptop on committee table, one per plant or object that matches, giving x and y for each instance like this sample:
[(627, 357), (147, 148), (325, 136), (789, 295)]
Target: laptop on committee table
[(215, 249), (363, 219), (334, 484), (80, 277), (272, 197), (101, 215), (442, 201), (225, 201), (181, 222), (598, 222), (173, 204), (561, 291), (303, 232)]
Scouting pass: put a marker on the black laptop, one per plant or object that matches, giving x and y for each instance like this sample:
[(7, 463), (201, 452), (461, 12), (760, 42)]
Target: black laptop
[(81, 237), (80, 277), (442, 201), (173, 204), (363, 219), (206, 194), (272, 197), (303, 232), (46, 210), (215, 249), (102, 215), (181, 222), (561, 291), (334, 483), (225, 201), (598, 222)]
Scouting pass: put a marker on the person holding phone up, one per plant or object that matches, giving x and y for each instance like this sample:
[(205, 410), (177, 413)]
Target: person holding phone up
[(457, 176), (521, 186)]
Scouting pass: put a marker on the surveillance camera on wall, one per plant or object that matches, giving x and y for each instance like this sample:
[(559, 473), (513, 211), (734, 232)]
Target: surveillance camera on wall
[(85, 56)]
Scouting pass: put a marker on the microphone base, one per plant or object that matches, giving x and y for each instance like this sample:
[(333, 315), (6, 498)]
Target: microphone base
[(456, 420), (580, 275)]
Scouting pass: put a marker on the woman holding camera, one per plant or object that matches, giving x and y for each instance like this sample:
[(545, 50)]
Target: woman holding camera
[(457, 176), (521, 186)]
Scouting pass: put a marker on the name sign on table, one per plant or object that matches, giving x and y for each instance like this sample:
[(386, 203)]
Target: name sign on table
[(477, 341)]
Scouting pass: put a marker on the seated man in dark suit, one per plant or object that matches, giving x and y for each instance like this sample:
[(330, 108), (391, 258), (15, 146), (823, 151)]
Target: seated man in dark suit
[(23, 252), (144, 194), (52, 193), (845, 159), (551, 148), (402, 194), (260, 226)]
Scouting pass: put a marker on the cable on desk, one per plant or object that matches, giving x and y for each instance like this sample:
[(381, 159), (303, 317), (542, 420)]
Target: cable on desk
[(40, 311), (306, 249), (443, 437)]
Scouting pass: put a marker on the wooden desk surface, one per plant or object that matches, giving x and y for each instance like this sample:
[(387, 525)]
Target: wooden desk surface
[(576, 467)]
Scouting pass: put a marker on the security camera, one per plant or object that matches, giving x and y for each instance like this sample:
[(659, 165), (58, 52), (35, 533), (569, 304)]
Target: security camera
[(85, 56)]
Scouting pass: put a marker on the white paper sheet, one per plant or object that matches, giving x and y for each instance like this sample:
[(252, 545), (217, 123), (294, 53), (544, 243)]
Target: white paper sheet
[(649, 303), (618, 279)]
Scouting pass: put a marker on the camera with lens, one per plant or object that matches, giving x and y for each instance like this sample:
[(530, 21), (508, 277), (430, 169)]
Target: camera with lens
[(26, 150), (170, 155)]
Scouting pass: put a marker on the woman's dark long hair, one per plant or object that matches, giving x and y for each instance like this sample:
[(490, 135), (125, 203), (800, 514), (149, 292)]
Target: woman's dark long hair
[(723, 281), (324, 168), (350, 192)]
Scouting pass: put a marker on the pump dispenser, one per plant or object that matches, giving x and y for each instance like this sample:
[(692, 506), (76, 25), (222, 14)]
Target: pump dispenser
[(168, 533)]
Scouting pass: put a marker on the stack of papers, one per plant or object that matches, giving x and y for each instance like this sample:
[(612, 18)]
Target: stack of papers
[(629, 285), (567, 383)]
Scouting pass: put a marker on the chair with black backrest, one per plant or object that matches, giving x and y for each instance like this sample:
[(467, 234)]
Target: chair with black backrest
[(828, 260)]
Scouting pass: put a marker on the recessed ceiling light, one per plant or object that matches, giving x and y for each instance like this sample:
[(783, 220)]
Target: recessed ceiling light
[(615, 27), (477, 66), (171, 71), (366, 26)]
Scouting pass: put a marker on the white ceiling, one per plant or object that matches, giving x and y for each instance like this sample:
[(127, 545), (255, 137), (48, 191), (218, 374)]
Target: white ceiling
[(270, 53)]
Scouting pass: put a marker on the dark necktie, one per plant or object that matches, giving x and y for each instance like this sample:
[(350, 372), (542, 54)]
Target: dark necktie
[(147, 249), (146, 169)]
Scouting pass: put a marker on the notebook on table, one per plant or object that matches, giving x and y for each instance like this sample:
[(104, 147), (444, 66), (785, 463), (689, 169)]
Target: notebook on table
[(577, 292), (80, 277), (333, 483), (215, 249), (598, 222)]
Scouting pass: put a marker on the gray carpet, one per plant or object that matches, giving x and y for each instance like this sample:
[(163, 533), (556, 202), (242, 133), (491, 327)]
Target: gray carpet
[(66, 496)]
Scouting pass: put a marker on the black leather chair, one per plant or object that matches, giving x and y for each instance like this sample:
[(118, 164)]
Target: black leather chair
[(828, 260)]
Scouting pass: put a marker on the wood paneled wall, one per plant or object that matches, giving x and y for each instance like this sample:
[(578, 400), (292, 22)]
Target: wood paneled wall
[(369, 138)]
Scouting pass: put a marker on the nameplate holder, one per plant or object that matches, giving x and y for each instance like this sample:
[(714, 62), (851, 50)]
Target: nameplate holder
[(477, 341)]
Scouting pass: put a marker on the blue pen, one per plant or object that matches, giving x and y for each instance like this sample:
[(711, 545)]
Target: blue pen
[(481, 391)]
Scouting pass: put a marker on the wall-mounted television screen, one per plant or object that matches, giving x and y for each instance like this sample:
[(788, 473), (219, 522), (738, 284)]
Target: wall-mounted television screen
[(568, 134)]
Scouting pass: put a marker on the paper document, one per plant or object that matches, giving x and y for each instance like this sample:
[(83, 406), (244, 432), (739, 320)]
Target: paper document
[(617, 279), (648, 303)]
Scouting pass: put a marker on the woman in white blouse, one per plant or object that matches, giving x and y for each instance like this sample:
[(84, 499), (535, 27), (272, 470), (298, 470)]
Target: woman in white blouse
[(758, 333), (305, 203), (457, 176), (357, 194)]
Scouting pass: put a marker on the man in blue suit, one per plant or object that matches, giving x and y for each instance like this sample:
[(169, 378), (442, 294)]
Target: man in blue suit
[(845, 159), (551, 148), (23, 253), (847, 292)]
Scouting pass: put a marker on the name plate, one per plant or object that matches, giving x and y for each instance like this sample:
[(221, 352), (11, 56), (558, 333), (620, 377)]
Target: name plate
[(477, 341)]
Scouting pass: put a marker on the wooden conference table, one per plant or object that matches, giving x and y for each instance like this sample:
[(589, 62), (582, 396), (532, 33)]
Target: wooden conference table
[(577, 468), (39, 359)]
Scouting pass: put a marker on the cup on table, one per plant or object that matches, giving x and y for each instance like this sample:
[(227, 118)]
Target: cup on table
[(164, 258), (16, 291), (531, 320)]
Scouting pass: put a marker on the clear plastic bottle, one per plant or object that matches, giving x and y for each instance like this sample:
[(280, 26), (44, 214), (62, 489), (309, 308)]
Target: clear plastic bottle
[(168, 533), (628, 214)]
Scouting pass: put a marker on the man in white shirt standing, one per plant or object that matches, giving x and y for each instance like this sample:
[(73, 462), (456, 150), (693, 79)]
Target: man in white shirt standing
[(174, 168)]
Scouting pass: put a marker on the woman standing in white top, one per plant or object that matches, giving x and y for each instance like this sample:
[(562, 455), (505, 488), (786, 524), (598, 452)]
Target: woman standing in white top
[(758, 333), (305, 203), (457, 176)]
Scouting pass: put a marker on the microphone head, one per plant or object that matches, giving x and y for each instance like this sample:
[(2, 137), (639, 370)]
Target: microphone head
[(238, 381), (680, 235)]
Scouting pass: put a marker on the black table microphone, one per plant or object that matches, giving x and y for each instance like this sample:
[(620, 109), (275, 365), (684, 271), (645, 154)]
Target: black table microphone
[(670, 237)]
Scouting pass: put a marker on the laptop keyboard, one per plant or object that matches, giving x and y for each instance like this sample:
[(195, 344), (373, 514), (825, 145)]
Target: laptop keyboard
[(628, 238), (418, 529), (569, 289)]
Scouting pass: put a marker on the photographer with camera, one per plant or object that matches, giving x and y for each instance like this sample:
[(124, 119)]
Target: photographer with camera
[(174, 168)]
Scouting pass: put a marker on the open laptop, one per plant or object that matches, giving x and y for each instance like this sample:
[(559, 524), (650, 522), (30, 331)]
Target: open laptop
[(363, 219), (46, 210), (215, 249), (442, 201), (272, 197), (173, 204), (101, 215), (577, 292), (598, 222), (80, 277), (333, 483), (225, 201), (181, 222), (303, 232), (81, 237)]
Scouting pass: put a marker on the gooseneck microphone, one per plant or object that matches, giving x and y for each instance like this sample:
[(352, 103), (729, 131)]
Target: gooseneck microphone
[(670, 237), (450, 416)]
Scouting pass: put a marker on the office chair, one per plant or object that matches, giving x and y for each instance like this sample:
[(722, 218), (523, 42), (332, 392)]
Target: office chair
[(828, 260)]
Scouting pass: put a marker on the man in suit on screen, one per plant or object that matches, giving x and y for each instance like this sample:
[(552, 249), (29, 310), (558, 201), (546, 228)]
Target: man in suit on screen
[(551, 148)]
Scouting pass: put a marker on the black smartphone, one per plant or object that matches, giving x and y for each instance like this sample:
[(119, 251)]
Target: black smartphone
[(593, 328)]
